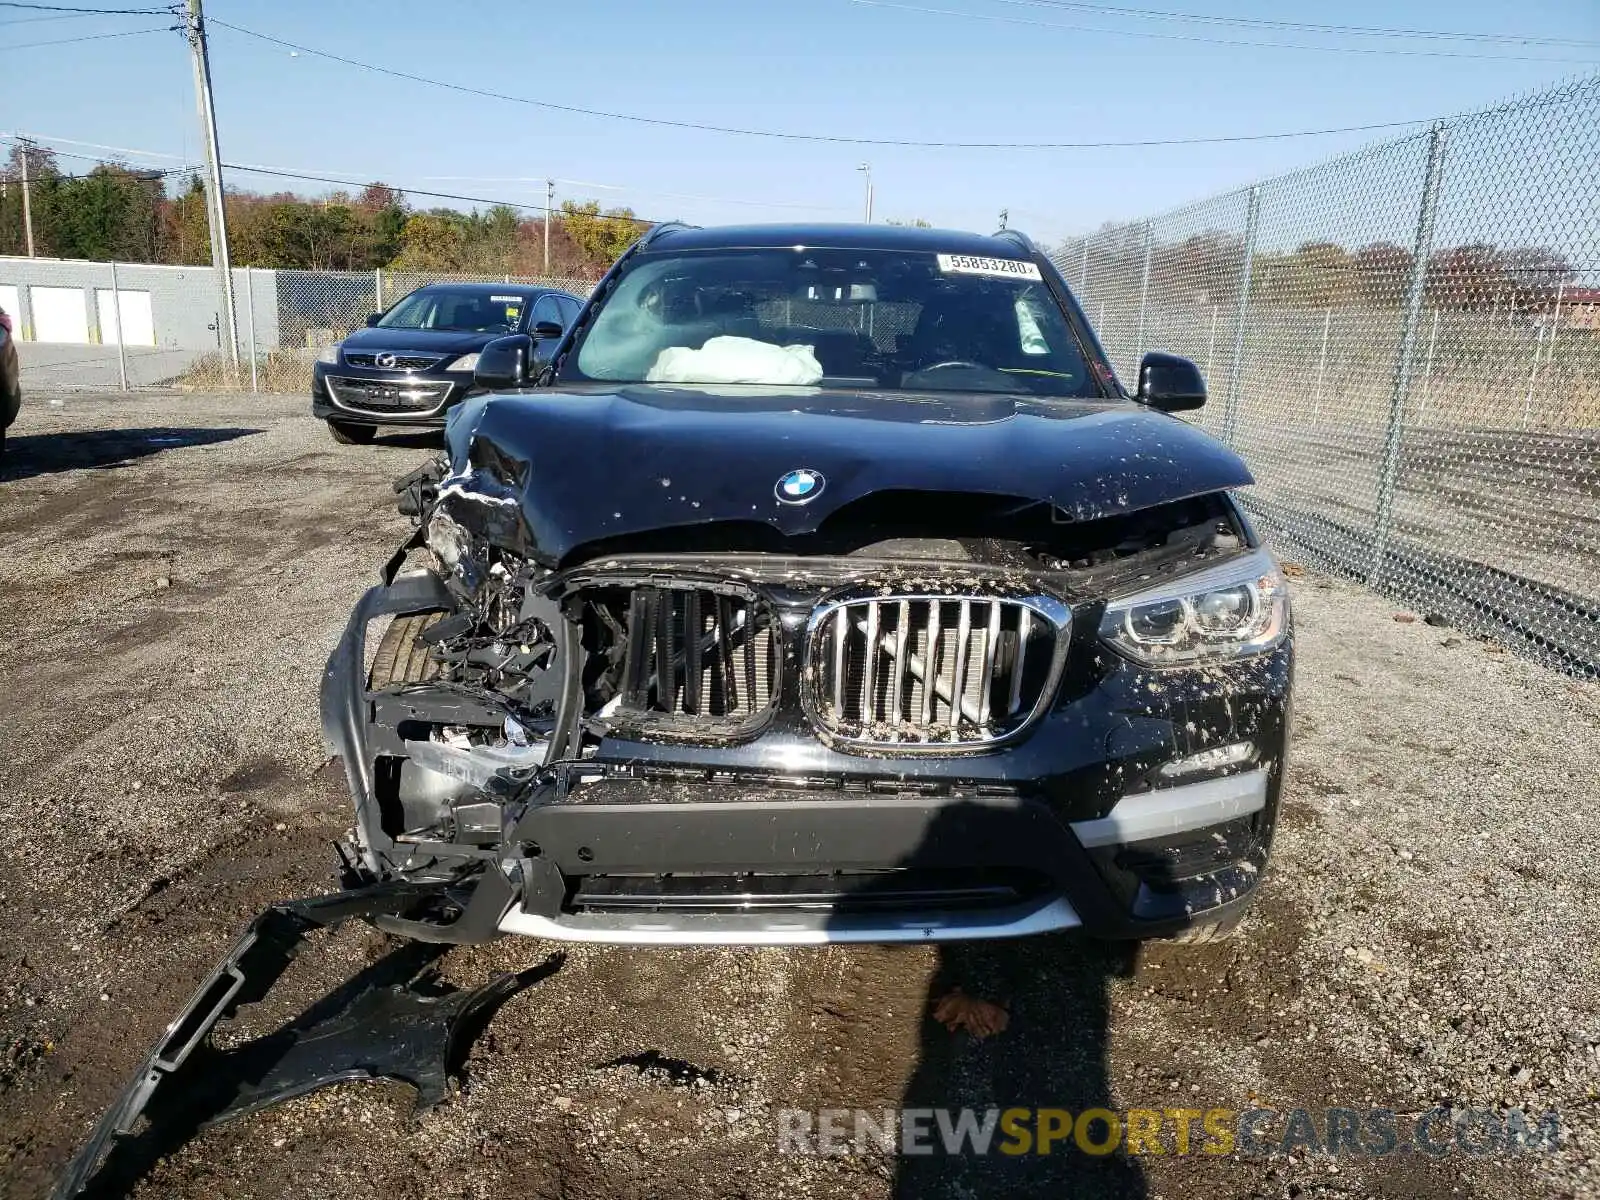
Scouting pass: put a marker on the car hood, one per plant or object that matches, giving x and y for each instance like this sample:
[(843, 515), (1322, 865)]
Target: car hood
[(546, 472), (436, 341)]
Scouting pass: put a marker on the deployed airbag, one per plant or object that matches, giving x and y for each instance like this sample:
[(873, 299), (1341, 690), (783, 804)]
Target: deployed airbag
[(729, 359)]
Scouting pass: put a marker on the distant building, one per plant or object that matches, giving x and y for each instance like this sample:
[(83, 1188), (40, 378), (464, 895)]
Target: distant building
[(1580, 308)]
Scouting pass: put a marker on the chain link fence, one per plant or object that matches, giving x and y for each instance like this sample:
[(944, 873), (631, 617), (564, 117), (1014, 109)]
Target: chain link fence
[(1404, 344)]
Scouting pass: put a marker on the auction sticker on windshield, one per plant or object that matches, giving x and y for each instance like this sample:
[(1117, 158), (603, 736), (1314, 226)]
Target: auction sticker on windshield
[(1003, 268)]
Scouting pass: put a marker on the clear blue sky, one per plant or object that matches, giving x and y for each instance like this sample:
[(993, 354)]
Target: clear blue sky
[(826, 66)]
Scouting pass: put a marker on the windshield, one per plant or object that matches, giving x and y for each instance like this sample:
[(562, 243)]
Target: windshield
[(459, 311), (880, 319)]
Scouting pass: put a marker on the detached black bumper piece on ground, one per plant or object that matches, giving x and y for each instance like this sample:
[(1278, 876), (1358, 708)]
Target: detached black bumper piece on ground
[(394, 1021)]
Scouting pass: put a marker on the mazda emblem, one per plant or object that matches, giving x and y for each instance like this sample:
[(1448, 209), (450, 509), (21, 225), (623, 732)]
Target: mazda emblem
[(384, 360)]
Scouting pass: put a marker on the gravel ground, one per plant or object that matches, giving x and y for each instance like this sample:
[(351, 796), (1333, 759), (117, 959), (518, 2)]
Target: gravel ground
[(177, 569)]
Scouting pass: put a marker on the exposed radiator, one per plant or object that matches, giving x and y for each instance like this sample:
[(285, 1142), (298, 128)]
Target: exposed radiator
[(909, 671), (698, 654)]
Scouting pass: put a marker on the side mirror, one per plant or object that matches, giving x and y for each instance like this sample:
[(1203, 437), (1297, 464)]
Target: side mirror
[(547, 329), (504, 363), (1170, 383), (373, 319)]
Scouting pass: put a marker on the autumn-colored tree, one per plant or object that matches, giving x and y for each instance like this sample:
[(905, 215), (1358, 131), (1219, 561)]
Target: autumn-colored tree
[(602, 237), (430, 241)]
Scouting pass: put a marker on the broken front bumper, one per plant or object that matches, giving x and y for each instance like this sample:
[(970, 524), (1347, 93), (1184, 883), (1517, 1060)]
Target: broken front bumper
[(1084, 812)]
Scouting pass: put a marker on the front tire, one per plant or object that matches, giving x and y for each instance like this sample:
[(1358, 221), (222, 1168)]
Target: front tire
[(352, 435), (402, 657)]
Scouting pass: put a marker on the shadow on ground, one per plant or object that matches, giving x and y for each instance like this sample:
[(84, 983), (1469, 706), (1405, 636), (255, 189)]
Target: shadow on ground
[(49, 453), (426, 439), (1051, 1054)]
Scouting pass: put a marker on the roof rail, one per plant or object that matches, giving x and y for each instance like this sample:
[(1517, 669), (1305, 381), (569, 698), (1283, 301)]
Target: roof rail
[(656, 231), (1017, 236)]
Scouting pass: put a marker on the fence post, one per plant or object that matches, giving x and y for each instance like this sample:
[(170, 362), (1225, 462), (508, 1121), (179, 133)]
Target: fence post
[(1211, 345), (1533, 374), (1246, 269), (1401, 385), (1144, 289), (377, 285), (1555, 323), (116, 318), (1427, 367), (250, 311), (1322, 366)]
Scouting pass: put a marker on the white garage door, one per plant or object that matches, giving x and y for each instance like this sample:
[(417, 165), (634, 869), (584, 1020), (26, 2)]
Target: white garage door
[(138, 323), (11, 302), (59, 314)]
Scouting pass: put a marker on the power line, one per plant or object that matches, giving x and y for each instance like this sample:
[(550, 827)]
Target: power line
[(272, 171), (135, 168), (93, 37), (98, 12), (1216, 41), (824, 138), (1515, 39), (639, 191), (45, 137), (56, 17)]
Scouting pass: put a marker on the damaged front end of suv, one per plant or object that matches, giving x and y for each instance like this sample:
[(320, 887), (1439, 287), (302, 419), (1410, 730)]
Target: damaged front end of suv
[(823, 586), (706, 662)]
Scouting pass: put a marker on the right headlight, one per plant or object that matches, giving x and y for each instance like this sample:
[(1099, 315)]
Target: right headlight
[(330, 354), (1238, 608)]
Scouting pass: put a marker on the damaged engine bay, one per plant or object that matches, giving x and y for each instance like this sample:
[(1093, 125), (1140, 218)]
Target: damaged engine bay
[(484, 710)]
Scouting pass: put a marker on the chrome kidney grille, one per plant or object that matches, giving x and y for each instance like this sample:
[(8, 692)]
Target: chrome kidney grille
[(933, 672), (699, 655)]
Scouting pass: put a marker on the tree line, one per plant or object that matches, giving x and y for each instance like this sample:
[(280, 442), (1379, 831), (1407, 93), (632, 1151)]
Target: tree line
[(129, 214), (1206, 268)]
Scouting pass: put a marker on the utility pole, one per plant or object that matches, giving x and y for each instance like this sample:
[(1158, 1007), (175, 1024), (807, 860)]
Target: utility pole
[(196, 33), (549, 204), (867, 169), (27, 200)]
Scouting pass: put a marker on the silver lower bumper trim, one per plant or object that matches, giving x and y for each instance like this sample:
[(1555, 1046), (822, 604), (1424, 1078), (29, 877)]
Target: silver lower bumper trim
[(1171, 810), (793, 929)]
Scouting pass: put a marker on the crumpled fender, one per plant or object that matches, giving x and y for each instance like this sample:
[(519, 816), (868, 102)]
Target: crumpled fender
[(344, 697)]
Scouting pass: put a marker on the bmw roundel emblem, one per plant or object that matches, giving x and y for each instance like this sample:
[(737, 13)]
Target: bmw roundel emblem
[(800, 486)]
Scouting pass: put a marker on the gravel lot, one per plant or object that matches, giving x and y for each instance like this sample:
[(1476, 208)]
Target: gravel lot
[(176, 570)]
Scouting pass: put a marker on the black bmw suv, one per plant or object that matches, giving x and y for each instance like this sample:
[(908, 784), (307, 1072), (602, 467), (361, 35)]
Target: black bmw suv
[(414, 361), (825, 584)]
